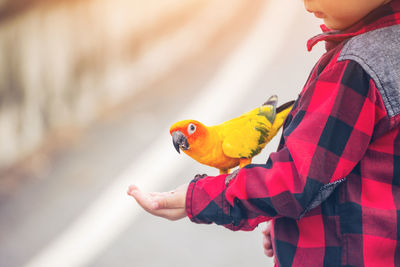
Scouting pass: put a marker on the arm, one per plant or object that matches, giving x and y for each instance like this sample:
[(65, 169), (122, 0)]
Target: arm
[(325, 138)]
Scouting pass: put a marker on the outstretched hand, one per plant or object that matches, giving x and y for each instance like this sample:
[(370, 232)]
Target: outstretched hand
[(169, 205)]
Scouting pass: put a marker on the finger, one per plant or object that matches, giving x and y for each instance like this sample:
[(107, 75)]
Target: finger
[(131, 188), (267, 243), (143, 199), (269, 252)]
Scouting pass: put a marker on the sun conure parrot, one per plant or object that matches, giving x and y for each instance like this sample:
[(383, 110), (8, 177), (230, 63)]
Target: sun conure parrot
[(234, 142)]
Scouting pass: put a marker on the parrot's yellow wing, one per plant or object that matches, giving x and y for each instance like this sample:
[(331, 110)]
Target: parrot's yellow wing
[(247, 135)]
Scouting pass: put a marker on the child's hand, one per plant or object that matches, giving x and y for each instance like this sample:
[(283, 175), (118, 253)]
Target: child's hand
[(267, 242), (169, 205)]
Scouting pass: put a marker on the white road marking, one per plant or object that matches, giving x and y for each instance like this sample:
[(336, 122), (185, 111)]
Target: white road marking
[(114, 211)]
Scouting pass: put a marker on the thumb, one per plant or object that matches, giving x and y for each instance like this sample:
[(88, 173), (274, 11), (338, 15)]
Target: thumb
[(170, 201)]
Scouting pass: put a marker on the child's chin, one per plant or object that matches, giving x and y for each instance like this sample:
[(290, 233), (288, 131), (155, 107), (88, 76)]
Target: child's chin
[(337, 26), (333, 26)]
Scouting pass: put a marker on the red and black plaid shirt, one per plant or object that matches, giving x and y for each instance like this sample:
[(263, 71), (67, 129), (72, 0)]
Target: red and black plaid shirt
[(332, 189)]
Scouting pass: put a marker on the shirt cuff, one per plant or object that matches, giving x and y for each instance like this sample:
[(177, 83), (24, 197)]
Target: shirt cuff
[(189, 196), (200, 194)]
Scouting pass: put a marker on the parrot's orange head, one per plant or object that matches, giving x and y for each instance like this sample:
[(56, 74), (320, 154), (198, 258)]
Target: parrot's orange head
[(187, 134)]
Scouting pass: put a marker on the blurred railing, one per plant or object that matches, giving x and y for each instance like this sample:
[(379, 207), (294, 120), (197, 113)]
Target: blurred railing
[(63, 62)]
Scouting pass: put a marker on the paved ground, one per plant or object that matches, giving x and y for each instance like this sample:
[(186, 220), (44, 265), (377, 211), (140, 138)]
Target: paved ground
[(43, 208)]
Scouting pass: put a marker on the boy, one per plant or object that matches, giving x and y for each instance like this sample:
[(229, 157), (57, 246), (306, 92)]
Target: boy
[(332, 190)]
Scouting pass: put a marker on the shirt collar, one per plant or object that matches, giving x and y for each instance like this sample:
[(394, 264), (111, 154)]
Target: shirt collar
[(384, 16)]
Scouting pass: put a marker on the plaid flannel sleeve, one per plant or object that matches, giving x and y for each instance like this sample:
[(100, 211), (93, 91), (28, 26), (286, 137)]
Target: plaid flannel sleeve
[(325, 136)]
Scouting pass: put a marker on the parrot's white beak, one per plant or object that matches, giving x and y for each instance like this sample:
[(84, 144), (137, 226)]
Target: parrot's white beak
[(180, 141)]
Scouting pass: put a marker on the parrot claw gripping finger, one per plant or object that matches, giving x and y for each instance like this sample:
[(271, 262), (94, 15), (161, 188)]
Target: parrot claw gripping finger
[(231, 176), (200, 176)]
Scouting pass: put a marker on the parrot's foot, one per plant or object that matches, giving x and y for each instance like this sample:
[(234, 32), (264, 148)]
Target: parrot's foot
[(200, 176), (231, 176), (226, 171), (244, 161)]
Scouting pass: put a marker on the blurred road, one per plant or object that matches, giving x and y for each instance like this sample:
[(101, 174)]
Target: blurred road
[(57, 220)]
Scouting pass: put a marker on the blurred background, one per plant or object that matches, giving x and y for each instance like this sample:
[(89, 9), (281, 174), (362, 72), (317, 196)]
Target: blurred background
[(88, 90)]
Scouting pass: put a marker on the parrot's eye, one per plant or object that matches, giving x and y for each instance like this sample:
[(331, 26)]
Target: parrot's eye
[(191, 128)]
